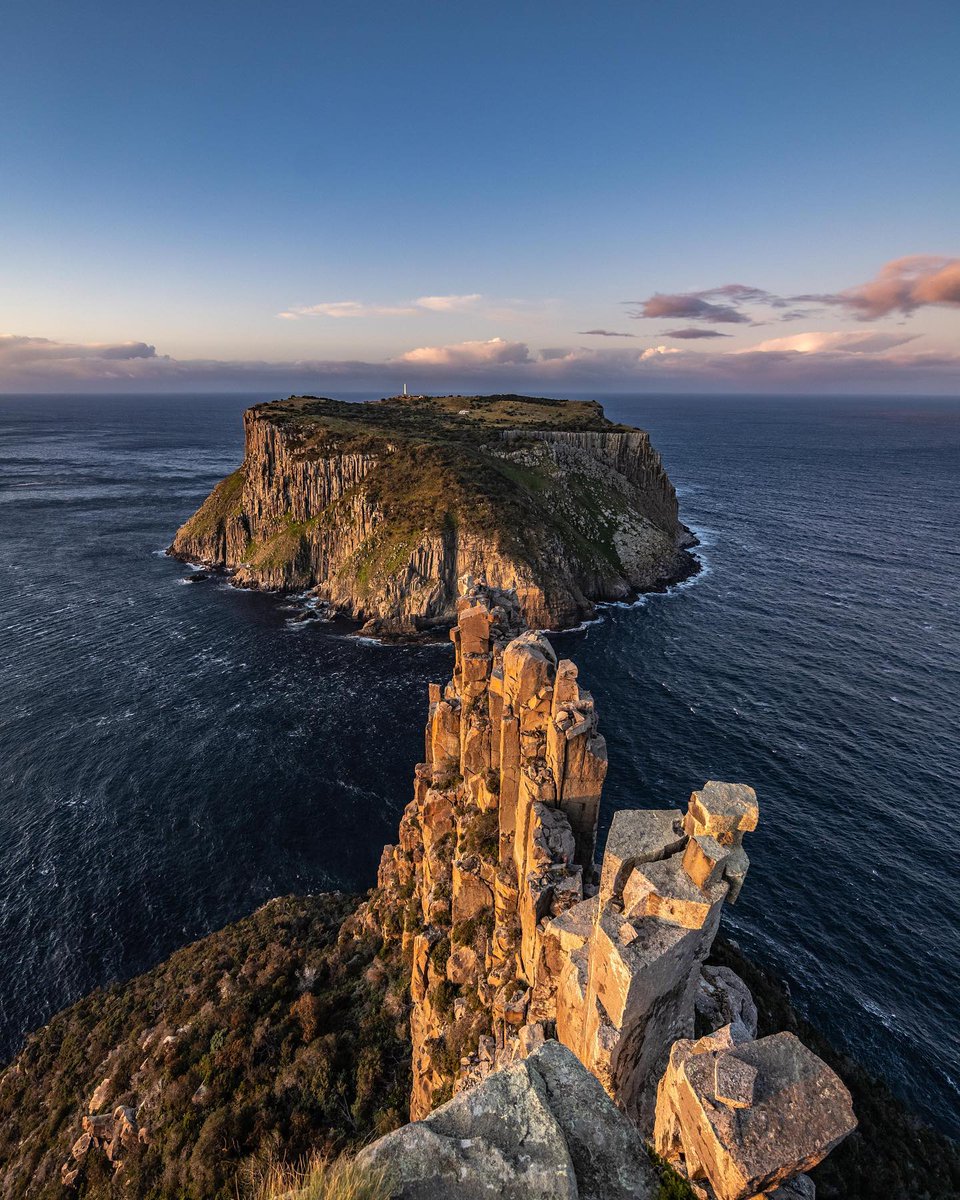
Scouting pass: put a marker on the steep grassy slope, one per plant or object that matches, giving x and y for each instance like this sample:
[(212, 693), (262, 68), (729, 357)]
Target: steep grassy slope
[(275, 1036)]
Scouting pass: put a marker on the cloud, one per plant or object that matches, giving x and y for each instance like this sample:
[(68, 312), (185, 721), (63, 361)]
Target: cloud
[(694, 333), (448, 303), (847, 342), (741, 293), (704, 306), (341, 309), (688, 306), (900, 286), (495, 352), (603, 333), (903, 285), (14, 349), (800, 314), (864, 361)]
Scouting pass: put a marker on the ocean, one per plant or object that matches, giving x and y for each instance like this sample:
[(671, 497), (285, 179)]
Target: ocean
[(173, 754)]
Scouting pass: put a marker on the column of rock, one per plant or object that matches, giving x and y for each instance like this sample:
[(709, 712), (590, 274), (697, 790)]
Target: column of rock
[(443, 874), (494, 874), (619, 972), (552, 765), (498, 839), (455, 878), (491, 891)]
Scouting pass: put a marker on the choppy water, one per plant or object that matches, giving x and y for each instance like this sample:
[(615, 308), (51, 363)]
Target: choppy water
[(172, 755)]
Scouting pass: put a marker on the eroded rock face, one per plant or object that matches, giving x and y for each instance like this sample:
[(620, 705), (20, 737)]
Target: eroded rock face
[(542, 1129), (495, 878), (381, 508), (517, 937)]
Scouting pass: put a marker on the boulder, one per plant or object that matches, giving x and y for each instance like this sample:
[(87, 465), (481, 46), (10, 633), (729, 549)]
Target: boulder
[(638, 836), (749, 1118), (541, 1129), (723, 811)]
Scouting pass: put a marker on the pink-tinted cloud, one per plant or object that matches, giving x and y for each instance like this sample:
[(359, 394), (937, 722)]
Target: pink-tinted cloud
[(340, 310), (354, 309), (495, 352), (448, 303), (849, 341), (687, 306), (903, 285), (848, 361)]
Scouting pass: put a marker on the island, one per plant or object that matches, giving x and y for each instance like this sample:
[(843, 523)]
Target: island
[(378, 508)]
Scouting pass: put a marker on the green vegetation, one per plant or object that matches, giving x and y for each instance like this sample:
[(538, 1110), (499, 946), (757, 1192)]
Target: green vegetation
[(890, 1156), (480, 833), (321, 422), (271, 1035), (438, 476), (446, 470), (224, 502), (282, 548), (672, 1186)]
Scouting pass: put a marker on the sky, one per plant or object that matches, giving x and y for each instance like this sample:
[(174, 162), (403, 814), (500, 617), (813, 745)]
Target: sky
[(539, 195)]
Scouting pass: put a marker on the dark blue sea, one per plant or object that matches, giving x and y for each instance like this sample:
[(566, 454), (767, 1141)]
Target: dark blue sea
[(173, 754)]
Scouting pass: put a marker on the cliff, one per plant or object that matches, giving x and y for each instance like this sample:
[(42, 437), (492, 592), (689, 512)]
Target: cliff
[(380, 508), (516, 937), (541, 1018)]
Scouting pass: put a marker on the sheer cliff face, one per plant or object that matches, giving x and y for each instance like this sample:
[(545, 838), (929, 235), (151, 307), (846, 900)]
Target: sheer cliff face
[(380, 508)]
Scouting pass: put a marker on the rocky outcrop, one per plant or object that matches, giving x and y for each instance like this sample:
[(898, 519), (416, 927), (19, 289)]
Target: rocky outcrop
[(742, 1117), (110, 1134), (516, 937), (379, 509), (542, 1129)]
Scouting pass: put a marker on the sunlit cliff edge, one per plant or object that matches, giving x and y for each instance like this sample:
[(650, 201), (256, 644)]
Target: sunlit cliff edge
[(379, 508), (536, 976)]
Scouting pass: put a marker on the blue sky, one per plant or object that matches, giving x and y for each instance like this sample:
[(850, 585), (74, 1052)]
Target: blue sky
[(328, 195)]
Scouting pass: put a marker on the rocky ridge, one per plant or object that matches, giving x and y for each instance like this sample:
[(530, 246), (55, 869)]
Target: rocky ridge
[(517, 939), (379, 508), (290, 1032)]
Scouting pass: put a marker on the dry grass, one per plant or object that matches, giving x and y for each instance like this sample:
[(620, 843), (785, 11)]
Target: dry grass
[(323, 1179)]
